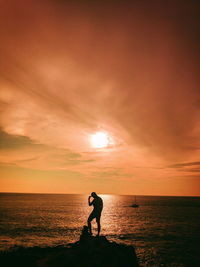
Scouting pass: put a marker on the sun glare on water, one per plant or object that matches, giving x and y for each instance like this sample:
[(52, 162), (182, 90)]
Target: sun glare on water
[(99, 140)]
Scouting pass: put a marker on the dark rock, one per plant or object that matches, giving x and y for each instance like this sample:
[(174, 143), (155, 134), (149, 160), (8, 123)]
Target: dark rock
[(88, 251)]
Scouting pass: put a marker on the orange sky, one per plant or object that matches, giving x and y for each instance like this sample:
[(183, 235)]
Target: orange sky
[(69, 69)]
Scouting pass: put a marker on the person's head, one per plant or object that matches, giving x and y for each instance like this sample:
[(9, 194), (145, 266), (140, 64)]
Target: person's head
[(93, 194)]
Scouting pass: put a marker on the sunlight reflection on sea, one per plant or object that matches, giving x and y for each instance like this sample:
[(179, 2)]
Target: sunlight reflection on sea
[(163, 229)]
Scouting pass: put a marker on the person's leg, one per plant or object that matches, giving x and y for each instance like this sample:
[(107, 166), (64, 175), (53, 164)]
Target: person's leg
[(90, 218), (98, 224)]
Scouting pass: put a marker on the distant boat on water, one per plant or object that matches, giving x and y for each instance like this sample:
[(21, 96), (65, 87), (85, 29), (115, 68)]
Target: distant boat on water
[(135, 205)]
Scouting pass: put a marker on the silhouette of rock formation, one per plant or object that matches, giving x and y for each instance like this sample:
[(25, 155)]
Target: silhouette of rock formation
[(88, 251)]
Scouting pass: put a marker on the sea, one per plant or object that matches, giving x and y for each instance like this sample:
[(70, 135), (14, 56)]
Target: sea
[(165, 231)]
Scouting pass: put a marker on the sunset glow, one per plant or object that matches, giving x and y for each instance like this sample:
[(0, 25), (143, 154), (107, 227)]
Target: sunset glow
[(99, 140), (99, 96)]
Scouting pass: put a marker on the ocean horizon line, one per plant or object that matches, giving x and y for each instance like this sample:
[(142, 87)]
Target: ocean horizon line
[(52, 193)]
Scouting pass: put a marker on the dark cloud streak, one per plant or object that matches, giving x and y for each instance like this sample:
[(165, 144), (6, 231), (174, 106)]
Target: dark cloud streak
[(183, 165)]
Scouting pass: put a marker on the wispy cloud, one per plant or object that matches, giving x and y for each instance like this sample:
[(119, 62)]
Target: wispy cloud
[(22, 151), (111, 173), (186, 164), (133, 74), (13, 141), (187, 167)]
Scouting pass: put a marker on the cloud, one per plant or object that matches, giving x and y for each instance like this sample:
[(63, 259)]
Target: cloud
[(7, 167), (77, 75), (13, 141), (187, 164), (187, 167), (71, 69), (111, 174), (22, 151)]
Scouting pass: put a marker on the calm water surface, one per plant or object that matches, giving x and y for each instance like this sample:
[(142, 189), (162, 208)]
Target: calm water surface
[(164, 230)]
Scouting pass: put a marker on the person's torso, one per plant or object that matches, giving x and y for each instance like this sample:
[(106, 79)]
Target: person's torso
[(98, 204)]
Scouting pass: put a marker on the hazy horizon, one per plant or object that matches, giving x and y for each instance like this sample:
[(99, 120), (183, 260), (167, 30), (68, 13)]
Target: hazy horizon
[(53, 193)]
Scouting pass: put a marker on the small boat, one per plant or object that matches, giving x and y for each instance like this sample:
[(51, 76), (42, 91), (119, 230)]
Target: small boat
[(135, 205)]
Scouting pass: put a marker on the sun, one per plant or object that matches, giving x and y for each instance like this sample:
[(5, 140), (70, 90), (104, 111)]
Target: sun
[(99, 140)]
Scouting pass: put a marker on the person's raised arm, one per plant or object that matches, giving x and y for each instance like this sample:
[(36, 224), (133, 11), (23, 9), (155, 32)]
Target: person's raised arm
[(89, 202)]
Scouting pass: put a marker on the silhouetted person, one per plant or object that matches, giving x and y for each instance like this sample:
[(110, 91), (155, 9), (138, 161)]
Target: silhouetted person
[(97, 203)]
